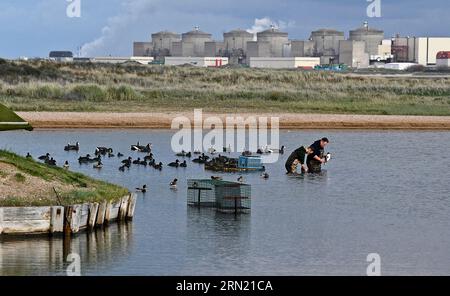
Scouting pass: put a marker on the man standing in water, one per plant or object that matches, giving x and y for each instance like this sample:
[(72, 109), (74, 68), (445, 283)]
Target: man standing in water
[(296, 157), (315, 160)]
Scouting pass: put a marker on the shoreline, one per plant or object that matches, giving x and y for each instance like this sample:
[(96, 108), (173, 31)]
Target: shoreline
[(163, 120)]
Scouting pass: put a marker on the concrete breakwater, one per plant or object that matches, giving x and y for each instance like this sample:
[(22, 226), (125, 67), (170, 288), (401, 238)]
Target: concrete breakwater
[(69, 219)]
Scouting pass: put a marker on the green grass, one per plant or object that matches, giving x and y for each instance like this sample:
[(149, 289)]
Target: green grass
[(85, 189), (45, 86)]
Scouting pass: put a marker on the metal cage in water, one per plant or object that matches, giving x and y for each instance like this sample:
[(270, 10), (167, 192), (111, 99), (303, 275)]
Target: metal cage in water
[(225, 196)]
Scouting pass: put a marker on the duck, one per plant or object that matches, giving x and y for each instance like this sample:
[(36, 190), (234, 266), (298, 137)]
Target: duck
[(240, 179), (111, 154), (70, 147), (282, 149), (144, 163), (158, 166), (120, 154), (265, 175), (173, 184), (216, 178), (175, 164), (66, 165), (197, 151), (29, 156), (44, 157), (122, 168), (83, 159), (143, 189), (98, 165), (127, 161), (137, 161), (50, 162), (148, 157), (183, 164)]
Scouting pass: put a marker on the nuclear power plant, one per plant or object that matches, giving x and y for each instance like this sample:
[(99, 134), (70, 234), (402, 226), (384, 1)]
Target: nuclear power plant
[(364, 46)]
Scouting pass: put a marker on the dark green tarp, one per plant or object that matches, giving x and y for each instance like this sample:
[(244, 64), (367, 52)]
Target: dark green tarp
[(11, 121)]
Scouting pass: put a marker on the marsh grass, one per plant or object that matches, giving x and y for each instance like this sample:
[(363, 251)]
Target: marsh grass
[(45, 86), (84, 189)]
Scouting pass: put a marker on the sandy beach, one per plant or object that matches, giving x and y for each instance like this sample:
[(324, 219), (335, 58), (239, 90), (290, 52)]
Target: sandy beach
[(163, 120)]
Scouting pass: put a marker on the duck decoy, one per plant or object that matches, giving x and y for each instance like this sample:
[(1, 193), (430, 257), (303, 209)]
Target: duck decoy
[(98, 165), (328, 157), (44, 157), (175, 164), (143, 189), (144, 163), (84, 159), (240, 179), (148, 157), (29, 156), (265, 175), (158, 166), (216, 178), (137, 161), (119, 154), (122, 168), (66, 165), (173, 184), (50, 162), (70, 147), (127, 161), (183, 164), (103, 150), (111, 155), (282, 149), (197, 151)]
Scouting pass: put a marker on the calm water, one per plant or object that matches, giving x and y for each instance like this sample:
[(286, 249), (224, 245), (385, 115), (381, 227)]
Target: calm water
[(384, 192)]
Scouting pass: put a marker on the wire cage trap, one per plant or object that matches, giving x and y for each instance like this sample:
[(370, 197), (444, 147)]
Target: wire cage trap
[(225, 196)]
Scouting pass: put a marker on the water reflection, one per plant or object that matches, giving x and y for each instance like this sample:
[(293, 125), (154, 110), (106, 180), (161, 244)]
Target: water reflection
[(41, 255)]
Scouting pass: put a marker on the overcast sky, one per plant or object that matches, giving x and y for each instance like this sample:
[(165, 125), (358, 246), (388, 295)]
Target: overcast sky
[(34, 27)]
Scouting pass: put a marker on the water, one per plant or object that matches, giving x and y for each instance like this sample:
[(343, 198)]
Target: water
[(385, 192)]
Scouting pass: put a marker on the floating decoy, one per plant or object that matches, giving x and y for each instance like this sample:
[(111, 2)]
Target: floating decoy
[(122, 168), (183, 164), (212, 150), (143, 189), (66, 165), (148, 157), (103, 150), (175, 164), (265, 175), (127, 161), (70, 147), (158, 166), (44, 157), (216, 178), (111, 154), (240, 179), (29, 156), (197, 151), (328, 157), (173, 184), (137, 161), (144, 163), (84, 159), (138, 147), (98, 165), (119, 154), (282, 149)]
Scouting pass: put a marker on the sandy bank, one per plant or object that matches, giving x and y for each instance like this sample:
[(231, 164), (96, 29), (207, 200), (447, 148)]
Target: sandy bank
[(287, 120)]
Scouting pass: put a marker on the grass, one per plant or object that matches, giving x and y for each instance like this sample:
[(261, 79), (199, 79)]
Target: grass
[(46, 86), (82, 188)]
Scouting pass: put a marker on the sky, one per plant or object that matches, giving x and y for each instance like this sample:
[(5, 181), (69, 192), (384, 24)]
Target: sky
[(32, 28)]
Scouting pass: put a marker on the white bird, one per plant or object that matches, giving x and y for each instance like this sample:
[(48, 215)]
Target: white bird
[(328, 157)]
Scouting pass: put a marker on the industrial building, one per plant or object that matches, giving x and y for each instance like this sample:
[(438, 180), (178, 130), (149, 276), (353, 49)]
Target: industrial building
[(284, 62), (61, 56), (364, 47), (196, 61)]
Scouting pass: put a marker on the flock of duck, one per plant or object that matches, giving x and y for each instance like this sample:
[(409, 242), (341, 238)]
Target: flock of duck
[(148, 160)]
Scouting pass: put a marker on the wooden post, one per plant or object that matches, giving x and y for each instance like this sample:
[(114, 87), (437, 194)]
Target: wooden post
[(101, 213), (93, 210), (57, 219), (1, 220), (76, 217), (68, 212), (123, 208), (108, 211), (131, 206)]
